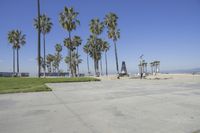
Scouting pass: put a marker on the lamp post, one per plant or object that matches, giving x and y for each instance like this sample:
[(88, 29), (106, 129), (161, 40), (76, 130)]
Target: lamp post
[(141, 66), (39, 62)]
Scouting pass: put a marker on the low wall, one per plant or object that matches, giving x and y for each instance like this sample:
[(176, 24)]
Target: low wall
[(11, 74), (55, 74)]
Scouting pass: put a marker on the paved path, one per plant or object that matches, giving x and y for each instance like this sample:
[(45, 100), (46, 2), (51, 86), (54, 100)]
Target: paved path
[(115, 106)]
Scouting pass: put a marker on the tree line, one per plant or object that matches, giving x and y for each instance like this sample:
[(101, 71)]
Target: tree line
[(95, 46)]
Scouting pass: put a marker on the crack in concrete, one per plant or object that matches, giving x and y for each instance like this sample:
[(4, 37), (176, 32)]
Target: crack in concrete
[(74, 113)]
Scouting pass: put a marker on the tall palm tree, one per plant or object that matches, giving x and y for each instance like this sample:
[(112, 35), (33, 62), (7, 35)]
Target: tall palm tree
[(101, 44), (45, 27), (68, 20), (17, 39), (72, 44), (11, 40), (95, 50), (96, 28), (77, 42), (92, 50), (87, 50), (105, 48), (113, 32)]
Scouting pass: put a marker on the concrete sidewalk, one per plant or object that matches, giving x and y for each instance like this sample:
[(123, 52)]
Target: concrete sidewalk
[(114, 106)]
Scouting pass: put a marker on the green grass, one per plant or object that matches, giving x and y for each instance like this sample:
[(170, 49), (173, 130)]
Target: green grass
[(17, 85)]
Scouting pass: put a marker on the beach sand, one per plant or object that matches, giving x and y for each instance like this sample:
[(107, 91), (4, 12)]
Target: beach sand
[(153, 77)]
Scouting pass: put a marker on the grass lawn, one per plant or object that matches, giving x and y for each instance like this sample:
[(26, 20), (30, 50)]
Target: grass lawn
[(16, 85)]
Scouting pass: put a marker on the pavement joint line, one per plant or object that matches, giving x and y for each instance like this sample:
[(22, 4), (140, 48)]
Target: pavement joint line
[(74, 113)]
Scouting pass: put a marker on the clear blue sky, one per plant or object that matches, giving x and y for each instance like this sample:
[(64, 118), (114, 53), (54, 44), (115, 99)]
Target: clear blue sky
[(165, 30)]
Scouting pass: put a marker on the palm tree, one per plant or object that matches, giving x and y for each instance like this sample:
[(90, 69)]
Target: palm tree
[(91, 47), (17, 39), (58, 56), (58, 48), (11, 40), (77, 42), (96, 28), (72, 44), (45, 27), (75, 60), (87, 50), (68, 20), (56, 62), (113, 32), (94, 50), (50, 59), (105, 48)]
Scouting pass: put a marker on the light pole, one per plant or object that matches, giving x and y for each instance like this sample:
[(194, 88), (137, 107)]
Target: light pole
[(141, 65), (39, 62)]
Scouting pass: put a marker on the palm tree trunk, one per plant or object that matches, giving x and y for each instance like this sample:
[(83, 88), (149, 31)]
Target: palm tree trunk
[(50, 67), (38, 5), (13, 61), (58, 69), (70, 58), (97, 68), (95, 58), (71, 68), (75, 72), (77, 64), (95, 71), (44, 59), (18, 61), (101, 66), (88, 64), (116, 58), (106, 64)]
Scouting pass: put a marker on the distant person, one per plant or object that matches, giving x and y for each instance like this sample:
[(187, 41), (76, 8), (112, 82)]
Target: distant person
[(141, 75), (118, 76)]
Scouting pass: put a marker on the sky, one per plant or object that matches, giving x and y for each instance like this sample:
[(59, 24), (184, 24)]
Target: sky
[(164, 30)]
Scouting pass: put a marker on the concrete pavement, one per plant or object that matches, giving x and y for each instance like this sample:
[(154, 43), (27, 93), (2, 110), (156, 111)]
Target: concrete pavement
[(109, 106)]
